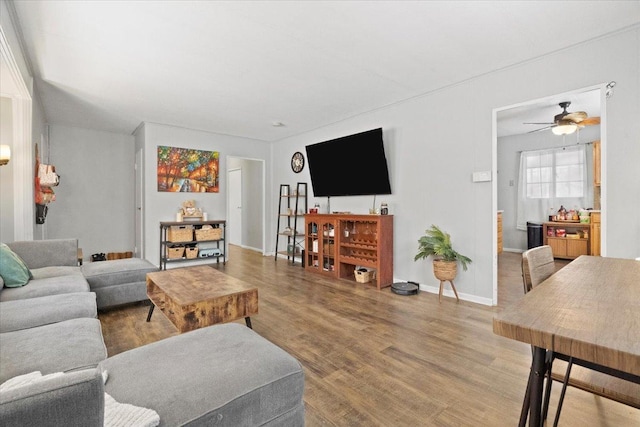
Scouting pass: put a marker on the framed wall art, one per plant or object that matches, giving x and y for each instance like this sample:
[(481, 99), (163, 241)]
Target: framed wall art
[(187, 170)]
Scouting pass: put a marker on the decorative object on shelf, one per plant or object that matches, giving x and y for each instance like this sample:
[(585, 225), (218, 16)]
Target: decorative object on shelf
[(384, 209), (363, 275), (437, 243), (297, 162), (207, 232), (187, 170), (180, 233), (189, 210)]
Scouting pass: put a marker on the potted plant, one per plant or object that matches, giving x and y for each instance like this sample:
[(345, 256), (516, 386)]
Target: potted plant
[(445, 259)]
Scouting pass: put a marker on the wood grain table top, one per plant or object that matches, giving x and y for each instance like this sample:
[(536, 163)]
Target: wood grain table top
[(590, 309), (194, 284)]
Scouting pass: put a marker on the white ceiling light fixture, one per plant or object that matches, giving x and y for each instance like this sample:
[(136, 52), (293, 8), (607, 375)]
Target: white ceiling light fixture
[(277, 124), (564, 127)]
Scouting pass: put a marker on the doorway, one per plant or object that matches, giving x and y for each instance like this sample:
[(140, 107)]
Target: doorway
[(235, 207), (528, 126), (22, 155), (138, 179), (246, 202)]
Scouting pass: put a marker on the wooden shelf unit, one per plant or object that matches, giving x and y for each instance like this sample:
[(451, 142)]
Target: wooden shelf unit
[(288, 216), (566, 247), (338, 243)]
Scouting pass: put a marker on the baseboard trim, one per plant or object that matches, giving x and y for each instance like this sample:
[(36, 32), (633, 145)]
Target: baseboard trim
[(514, 250), (448, 292)]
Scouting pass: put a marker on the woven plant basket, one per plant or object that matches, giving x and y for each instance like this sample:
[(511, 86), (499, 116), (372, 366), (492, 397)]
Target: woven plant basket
[(445, 270)]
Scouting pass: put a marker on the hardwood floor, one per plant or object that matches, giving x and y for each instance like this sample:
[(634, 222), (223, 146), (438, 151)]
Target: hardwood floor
[(374, 358)]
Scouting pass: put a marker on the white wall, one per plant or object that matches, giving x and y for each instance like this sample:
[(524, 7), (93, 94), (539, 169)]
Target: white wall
[(6, 173), (161, 206), (435, 142), (509, 149), (94, 201)]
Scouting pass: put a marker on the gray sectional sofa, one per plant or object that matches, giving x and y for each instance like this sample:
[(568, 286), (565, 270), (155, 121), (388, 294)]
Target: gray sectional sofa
[(223, 375)]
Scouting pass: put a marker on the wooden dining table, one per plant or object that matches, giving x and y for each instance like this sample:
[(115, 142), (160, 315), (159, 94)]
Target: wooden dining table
[(589, 311)]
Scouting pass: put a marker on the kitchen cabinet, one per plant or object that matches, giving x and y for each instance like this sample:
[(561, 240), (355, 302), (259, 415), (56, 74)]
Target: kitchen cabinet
[(574, 243), (597, 170), (596, 233)]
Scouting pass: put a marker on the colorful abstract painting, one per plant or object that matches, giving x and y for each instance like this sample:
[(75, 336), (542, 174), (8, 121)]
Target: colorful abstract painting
[(187, 170)]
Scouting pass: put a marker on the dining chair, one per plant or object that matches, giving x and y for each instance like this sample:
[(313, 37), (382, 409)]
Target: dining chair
[(537, 266)]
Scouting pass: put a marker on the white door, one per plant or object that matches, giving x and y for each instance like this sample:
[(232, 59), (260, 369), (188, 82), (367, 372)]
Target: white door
[(234, 222), (138, 206)]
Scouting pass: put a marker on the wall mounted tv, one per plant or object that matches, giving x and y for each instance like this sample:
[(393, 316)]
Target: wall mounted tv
[(353, 165)]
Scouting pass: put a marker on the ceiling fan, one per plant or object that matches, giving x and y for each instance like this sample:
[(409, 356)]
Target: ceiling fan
[(566, 123)]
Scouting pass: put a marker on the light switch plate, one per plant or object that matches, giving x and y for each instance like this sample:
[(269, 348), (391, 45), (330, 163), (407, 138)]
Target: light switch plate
[(482, 176)]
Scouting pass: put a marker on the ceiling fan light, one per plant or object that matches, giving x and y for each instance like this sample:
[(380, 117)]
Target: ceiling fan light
[(564, 129)]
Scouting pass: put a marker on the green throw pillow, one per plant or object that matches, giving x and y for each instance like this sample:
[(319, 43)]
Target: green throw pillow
[(13, 270)]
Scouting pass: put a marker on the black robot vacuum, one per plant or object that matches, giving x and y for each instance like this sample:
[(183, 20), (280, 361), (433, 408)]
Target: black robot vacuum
[(401, 288)]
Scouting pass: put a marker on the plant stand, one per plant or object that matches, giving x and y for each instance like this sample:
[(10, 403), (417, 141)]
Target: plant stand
[(452, 287), (445, 271)]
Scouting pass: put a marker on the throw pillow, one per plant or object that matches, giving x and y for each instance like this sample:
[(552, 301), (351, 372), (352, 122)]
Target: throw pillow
[(13, 270)]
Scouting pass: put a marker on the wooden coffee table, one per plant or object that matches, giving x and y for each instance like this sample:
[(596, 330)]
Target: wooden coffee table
[(195, 297)]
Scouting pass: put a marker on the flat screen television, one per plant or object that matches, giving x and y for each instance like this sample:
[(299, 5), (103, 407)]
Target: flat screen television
[(353, 165)]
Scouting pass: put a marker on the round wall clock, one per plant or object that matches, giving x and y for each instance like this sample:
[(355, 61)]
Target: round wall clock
[(297, 162)]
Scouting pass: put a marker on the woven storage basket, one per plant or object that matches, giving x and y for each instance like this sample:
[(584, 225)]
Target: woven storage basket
[(180, 233), (445, 270), (175, 252), (191, 253), (365, 276), (209, 234)]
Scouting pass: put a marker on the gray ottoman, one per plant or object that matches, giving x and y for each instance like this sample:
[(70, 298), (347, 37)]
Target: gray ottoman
[(119, 281), (222, 375)]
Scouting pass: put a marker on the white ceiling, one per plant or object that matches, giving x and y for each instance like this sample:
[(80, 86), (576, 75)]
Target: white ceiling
[(236, 67)]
